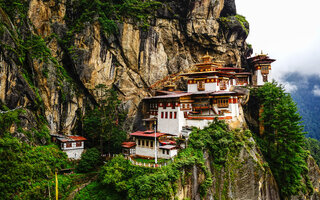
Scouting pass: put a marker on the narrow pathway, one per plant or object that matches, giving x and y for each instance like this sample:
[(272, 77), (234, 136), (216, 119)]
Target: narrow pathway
[(74, 192)]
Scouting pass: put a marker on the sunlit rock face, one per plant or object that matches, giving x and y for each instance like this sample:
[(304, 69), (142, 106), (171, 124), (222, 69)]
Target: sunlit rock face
[(131, 61)]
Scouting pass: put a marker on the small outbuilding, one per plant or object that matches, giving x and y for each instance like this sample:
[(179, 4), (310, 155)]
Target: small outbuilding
[(128, 148), (73, 145)]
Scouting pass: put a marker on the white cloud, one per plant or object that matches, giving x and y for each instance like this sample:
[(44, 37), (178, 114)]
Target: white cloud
[(289, 87), (288, 30), (316, 90)]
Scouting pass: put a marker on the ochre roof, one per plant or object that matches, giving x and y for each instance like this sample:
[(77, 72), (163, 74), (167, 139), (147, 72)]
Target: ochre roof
[(77, 138), (128, 144), (71, 138)]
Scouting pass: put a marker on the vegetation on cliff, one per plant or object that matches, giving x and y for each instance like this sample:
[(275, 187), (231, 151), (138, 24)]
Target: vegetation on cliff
[(136, 182), (313, 146), (282, 140), (110, 13), (22, 167), (103, 123)]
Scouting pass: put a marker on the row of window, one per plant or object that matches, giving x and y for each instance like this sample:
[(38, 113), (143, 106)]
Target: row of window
[(165, 151), (69, 144), (153, 105), (153, 113), (145, 143), (186, 105), (170, 115), (223, 103)]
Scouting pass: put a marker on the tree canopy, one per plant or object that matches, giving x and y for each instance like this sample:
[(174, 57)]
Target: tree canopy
[(103, 123), (282, 141)]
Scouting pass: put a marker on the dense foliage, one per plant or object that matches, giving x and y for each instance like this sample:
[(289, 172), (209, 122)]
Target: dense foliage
[(110, 13), (135, 182), (97, 191), (90, 160), (103, 123), (313, 146), (282, 141), (22, 166)]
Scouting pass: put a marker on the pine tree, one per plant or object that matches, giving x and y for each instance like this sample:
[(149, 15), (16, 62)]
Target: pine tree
[(282, 141), (103, 122)]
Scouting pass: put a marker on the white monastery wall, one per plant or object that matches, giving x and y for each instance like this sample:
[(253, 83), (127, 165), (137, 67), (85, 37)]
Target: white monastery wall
[(169, 124), (192, 88), (164, 155), (210, 86), (74, 153), (198, 123), (259, 77)]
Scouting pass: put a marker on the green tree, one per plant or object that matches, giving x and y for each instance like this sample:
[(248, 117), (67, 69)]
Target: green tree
[(90, 160), (104, 122), (282, 141)]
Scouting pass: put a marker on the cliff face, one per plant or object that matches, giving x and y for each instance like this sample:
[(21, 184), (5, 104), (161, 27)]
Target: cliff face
[(131, 60), (60, 86), (245, 176)]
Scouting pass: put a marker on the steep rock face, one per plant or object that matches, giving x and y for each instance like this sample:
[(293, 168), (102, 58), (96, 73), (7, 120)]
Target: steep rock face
[(131, 61), (245, 176)]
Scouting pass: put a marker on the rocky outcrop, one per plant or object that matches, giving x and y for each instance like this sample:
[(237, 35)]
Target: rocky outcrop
[(244, 176), (131, 61)]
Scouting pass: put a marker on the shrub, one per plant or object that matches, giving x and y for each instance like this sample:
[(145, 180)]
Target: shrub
[(90, 160)]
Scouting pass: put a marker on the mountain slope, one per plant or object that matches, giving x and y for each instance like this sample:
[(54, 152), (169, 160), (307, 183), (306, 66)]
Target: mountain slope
[(307, 100)]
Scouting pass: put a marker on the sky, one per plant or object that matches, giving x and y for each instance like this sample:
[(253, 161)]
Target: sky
[(288, 31)]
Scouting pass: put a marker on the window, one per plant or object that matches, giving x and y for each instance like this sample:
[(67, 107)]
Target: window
[(170, 115), (164, 105), (223, 85), (163, 151), (265, 69), (173, 105), (151, 143), (200, 85), (78, 144), (166, 115), (69, 144), (162, 115), (147, 143), (185, 114), (168, 151), (265, 78), (223, 103), (175, 115), (142, 142), (139, 143)]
